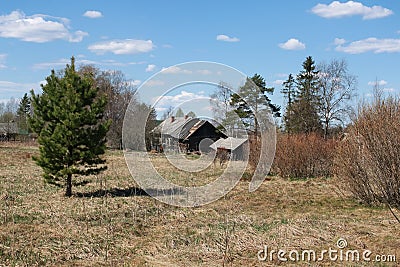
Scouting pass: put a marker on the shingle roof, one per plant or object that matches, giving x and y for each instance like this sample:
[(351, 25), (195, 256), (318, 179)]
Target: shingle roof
[(194, 128), (179, 128), (228, 143)]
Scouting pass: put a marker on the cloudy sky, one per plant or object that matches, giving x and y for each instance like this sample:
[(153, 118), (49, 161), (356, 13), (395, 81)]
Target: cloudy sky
[(140, 38)]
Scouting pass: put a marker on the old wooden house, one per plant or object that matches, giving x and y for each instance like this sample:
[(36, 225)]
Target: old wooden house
[(182, 134)]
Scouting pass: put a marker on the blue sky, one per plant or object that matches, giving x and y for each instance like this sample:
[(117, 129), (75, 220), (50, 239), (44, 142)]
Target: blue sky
[(139, 38)]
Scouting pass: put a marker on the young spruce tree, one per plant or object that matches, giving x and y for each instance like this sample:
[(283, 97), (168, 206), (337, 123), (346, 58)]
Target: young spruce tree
[(23, 112), (304, 117), (68, 118)]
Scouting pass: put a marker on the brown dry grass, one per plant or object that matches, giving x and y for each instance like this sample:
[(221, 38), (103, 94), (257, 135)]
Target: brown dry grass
[(108, 225)]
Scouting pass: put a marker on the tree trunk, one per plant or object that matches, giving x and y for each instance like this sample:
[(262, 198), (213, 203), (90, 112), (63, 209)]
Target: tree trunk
[(68, 191), (326, 129)]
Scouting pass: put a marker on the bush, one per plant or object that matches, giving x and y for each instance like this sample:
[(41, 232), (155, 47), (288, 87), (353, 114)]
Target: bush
[(368, 159), (303, 155)]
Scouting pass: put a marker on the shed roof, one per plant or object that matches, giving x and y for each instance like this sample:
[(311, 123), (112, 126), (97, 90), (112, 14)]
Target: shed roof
[(228, 143)]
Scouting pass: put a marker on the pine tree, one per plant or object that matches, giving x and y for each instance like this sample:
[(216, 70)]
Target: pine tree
[(252, 99), (68, 118)]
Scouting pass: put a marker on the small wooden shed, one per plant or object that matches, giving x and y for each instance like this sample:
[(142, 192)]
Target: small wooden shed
[(237, 147)]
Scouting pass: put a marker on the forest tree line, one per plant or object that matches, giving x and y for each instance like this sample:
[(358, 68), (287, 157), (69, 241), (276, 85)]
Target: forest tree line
[(318, 100), (112, 84)]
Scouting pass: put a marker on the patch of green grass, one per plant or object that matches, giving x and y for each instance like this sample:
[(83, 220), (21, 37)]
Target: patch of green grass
[(192, 156), (284, 221), (264, 227)]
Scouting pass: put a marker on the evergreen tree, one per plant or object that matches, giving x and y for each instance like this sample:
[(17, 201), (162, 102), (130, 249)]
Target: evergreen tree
[(68, 118), (191, 114), (252, 99), (304, 116), (179, 113), (289, 91), (23, 112), (151, 123), (307, 80)]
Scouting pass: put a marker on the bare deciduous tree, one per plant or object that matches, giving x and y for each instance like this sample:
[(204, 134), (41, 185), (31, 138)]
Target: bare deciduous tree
[(119, 92), (336, 89), (220, 100)]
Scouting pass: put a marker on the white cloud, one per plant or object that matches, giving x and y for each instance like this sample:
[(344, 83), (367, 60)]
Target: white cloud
[(93, 14), (179, 99), (122, 47), (16, 89), (52, 65), (3, 61), (380, 83), (204, 72), (339, 41), (78, 36), (152, 83), (371, 45), (160, 110), (150, 68), (226, 38), (389, 90), (80, 60), (278, 82), (175, 70), (292, 44), (135, 83), (350, 8), (369, 95), (282, 75), (37, 28)]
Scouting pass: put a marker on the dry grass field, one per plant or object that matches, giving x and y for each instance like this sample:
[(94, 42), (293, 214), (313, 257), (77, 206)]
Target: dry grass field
[(111, 222)]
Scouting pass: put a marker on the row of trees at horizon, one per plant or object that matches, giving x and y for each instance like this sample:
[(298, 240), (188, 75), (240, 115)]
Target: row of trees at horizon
[(318, 100), (113, 84)]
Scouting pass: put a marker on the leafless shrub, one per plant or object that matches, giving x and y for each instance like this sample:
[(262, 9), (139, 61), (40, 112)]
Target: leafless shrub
[(253, 157), (224, 242), (255, 151), (368, 159), (222, 156), (303, 155)]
